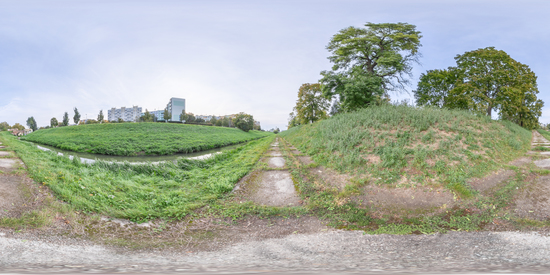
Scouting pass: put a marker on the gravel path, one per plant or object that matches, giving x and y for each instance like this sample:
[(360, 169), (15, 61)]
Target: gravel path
[(332, 251)]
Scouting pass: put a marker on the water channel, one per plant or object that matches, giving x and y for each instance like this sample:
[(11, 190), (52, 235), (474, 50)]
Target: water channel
[(91, 158)]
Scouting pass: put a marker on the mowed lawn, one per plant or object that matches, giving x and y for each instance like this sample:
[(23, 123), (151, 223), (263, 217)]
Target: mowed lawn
[(130, 139)]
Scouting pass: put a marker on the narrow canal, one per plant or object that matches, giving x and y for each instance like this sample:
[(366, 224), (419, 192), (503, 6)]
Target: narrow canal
[(91, 158)]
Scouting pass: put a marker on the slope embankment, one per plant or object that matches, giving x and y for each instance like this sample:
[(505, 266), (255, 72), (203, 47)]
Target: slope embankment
[(403, 146)]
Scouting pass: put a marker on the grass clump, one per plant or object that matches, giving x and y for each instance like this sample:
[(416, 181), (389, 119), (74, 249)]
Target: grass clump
[(169, 190), (405, 146), (130, 139)]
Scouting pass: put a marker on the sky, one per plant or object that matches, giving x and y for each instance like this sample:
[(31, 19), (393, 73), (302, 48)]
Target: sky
[(226, 57)]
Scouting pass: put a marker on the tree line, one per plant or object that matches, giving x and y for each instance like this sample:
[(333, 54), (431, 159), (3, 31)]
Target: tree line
[(241, 120), (370, 62)]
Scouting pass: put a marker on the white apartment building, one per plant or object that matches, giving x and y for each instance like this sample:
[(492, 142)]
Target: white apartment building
[(126, 114)]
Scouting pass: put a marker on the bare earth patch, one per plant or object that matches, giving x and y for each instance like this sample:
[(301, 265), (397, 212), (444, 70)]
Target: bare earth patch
[(533, 200), (405, 199), (491, 181), (305, 160), (18, 193), (330, 177)]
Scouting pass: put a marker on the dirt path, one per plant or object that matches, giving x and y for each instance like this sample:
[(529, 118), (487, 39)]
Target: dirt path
[(272, 185)]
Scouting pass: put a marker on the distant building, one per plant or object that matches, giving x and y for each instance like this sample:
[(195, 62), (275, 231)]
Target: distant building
[(176, 106), (126, 114), (207, 117), (158, 114)]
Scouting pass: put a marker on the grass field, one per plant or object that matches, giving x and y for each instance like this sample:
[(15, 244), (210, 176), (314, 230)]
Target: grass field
[(404, 146), (139, 192), (131, 139)]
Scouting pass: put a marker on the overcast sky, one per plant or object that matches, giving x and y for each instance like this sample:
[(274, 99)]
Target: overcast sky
[(225, 56)]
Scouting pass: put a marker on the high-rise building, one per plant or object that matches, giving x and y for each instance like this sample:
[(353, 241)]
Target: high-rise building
[(176, 106), (126, 114)]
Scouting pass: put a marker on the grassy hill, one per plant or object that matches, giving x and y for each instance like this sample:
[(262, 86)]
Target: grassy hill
[(130, 139), (403, 146)]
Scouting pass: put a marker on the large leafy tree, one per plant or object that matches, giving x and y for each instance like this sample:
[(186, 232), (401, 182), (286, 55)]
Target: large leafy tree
[(311, 106), (54, 122), (76, 117), (244, 121), (32, 123), (484, 80), (369, 62)]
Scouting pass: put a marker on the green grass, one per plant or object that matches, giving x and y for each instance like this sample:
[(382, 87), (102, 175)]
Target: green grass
[(130, 139), (403, 146), (544, 133), (140, 192)]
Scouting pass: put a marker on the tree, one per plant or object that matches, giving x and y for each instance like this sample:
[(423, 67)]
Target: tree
[(147, 117), (244, 121), (213, 120), (4, 126), (310, 106), (91, 121), (100, 116), (167, 115), (226, 122), (199, 120), (65, 119), (189, 118), (32, 123), (120, 120), (276, 130), (437, 88), (183, 116), (219, 122), (53, 122), (484, 80), (76, 117), (18, 126), (292, 120), (369, 62)]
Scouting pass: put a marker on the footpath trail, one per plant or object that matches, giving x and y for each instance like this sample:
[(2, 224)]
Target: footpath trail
[(323, 250), (272, 185)]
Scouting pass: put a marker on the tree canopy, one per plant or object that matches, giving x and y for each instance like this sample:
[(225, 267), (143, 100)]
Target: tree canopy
[(244, 121), (311, 106), (76, 117), (32, 123), (18, 126), (65, 119), (54, 122), (167, 115), (147, 117), (369, 62), (100, 117), (484, 80), (4, 126)]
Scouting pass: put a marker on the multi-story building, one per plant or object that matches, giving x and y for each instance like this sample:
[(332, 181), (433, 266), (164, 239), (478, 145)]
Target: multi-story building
[(176, 106), (126, 114)]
